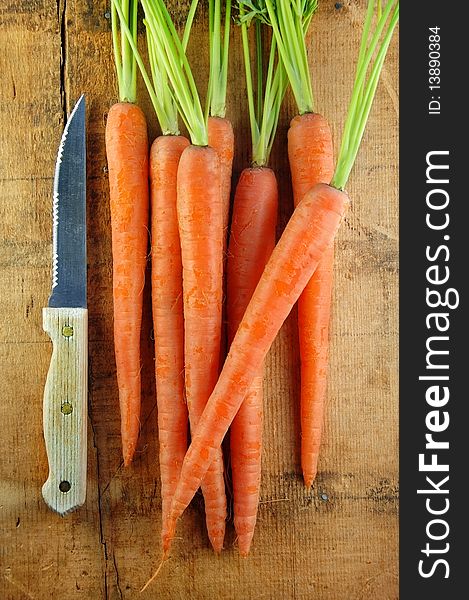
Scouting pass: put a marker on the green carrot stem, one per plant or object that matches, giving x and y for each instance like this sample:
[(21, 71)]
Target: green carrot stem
[(226, 49), (290, 20), (115, 44), (173, 60), (371, 59), (264, 105), (370, 91), (366, 53), (219, 50), (249, 87), (165, 111), (165, 107), (259, 68), (124, 22), (189, 22)]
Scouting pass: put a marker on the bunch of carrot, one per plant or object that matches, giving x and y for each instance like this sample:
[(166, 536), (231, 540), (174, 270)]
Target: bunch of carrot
[(189, 194)]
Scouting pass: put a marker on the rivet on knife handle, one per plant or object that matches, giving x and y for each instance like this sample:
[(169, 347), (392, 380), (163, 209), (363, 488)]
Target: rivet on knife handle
[(65, 408)]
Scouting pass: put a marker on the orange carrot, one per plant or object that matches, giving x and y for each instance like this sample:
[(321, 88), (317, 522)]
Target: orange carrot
[(221, 137), (199, 206), (252, 240), (167, 268), (168, 321), (220, 130), (127, 155), (310, 151), (200, 222), (309, 232), (311, 162)]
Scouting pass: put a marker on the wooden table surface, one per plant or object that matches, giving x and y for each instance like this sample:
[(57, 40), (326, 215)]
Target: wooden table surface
[(337, 541)]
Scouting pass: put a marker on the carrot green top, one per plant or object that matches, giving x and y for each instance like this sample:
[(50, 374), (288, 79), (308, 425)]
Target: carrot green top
[(163, 100), (219, 47), (290, 20), (124, 16), (163, 103), (265, 101), (377, 33), (169, 54)]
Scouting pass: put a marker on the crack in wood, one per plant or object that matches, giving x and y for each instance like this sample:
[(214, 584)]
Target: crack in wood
[(100, 513), (117, 575)]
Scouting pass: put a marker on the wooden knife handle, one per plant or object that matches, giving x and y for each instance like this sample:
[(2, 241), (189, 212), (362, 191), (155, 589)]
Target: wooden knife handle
[(65, 408)]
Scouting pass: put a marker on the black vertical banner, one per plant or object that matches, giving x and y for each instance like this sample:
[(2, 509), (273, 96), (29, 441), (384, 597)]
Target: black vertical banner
[(434, 250)]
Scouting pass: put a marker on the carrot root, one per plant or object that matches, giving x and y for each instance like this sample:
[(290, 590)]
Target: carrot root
[(200, 218), (252, 240), (311, 162), (164, 558), (221, 138), (127, 155), (314, 308), (168, 320)]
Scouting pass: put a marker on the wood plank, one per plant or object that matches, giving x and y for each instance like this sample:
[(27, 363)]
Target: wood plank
[(42, 555), (338, 540)]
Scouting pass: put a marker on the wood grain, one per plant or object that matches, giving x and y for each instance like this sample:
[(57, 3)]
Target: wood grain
[(338, 540)]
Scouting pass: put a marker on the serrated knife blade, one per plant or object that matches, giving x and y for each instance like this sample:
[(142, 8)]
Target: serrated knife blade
[(69, 215), (66, 321)]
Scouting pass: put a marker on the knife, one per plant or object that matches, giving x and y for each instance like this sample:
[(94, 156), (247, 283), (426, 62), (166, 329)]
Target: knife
[(65, 320)]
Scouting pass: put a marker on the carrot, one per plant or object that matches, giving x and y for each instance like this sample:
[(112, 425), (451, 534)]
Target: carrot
[(127, 156), (200, 223), (252, 240), (166, 275), (220, 129), (221, 138), (167, 289), (310, 152), (311, 162), (168, 320), (310, 231), (311, 159), (201, 232), (166, 280)]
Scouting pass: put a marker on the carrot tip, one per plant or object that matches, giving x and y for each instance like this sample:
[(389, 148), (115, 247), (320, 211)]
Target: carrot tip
[(309, 479), (164, 558), (216, 538), (166, 544), (128, 452), (128, 459), (217, 548), (244, 543)]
